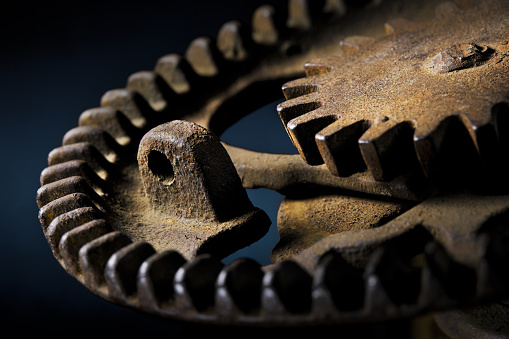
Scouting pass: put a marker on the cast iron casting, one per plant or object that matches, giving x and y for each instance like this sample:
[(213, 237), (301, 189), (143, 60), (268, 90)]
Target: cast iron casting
[(396, 204)]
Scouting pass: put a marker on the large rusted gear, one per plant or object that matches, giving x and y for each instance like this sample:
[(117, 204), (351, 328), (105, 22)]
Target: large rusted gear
[(143, 199)]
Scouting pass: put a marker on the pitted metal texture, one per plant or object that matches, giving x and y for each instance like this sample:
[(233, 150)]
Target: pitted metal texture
[(396, 205)]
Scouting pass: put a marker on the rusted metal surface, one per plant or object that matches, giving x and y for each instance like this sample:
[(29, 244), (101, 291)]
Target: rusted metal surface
[(198, 201), (403, 94), (396, 206)]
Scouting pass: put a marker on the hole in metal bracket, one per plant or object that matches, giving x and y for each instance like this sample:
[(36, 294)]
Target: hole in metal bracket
[(161, 167)]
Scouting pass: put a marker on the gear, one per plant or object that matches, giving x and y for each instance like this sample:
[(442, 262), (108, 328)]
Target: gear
[(426, 93), (143, 199)]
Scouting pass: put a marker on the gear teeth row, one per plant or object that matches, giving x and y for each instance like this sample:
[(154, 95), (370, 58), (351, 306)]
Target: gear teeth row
[(201, 285), (80, 172), (154, 96), (391, 282), (83, 168)]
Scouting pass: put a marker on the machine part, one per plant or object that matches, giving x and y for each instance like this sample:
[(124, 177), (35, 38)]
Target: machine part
[(425, 95), (428, 249), (488, 321), (198, 202)]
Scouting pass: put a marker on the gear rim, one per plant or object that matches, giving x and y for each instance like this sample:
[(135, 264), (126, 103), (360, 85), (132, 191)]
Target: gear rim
[(81, 199)]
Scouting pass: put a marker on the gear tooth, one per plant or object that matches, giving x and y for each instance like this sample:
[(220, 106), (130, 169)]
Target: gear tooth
[(489, 140), (318, 66), (397, 268), (386, 144), (340, 282), (337, 7), (195, 283), (296, 107), (432, 292), (268, 25), (153, 89), (94, 256), (122, 269), (114, 122), (239, 287), (494, 251), (82, 151), (63, 187), (204, 57), (66, 222), (458, 281), (302, 13), (286, 288), (500, 116), (493, 143), (399, 281), (353, 44), (234, 41), (488, 282), (97, 137), (177, 72), (70, 169), (131, 104), (399, 25), (300, 87), (73, 240), (447, 10), (155, 279), (493, 240), (50, 211), (338, 146), (302, 131), (447, 152)]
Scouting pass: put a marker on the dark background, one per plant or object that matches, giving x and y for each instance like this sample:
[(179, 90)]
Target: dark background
[(57, 59)]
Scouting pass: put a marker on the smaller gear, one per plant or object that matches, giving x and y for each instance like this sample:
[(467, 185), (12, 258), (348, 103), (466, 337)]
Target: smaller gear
[(430, 95)]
